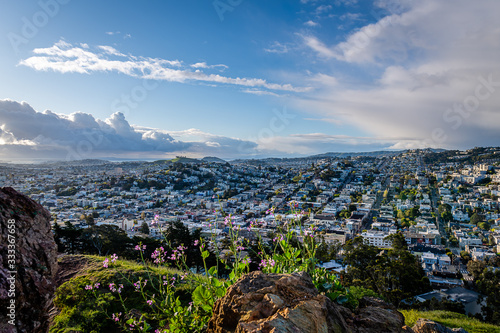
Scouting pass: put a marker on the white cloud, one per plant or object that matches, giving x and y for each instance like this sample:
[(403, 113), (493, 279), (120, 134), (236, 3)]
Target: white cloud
[(110, 50), (319, 47), (277, 47), (323, 9), (351, 17), (65, 58), (433, 68), (311, 23), (26, 133), (205, 65), (324, 80), (314, 143), (260, 92), (346, 2)]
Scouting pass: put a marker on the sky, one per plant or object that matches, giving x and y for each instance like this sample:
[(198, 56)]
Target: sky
[(245, 79)]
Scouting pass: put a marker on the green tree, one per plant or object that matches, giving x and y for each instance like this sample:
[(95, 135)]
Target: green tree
[(395, 274), (89, 219), (69, 238), (105, 239), (144, 228), (465, 256), (475, 218), (447, 216), (484, 225), (487, 282)]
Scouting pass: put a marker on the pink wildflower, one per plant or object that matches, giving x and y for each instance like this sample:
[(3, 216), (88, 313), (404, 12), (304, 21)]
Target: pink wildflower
[(105, 263)]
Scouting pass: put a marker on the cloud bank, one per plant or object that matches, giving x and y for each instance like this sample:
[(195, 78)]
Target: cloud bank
[(28, 134), (434, 78)]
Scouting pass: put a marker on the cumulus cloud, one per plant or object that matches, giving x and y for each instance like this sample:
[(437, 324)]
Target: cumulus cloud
[(311, 23), (436, 78), (26, 133), (64, 57)]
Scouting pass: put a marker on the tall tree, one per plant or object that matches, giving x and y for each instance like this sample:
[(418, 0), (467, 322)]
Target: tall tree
[(144, 228)]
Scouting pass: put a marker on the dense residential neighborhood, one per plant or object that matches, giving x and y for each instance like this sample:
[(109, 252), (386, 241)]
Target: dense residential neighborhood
[(444, 204)]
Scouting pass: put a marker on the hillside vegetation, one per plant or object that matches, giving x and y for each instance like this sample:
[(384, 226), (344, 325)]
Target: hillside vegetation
[(80, 311), (450, 319)]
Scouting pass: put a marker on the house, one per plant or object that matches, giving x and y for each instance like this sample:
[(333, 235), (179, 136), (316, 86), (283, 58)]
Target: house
[(470, 299), (376, 238)]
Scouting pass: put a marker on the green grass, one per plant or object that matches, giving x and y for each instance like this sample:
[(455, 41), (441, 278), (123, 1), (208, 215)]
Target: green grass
[(78, 310), (450, 319)]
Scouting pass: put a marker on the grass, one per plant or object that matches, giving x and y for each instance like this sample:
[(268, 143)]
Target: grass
[(450, 319), (78, 309)]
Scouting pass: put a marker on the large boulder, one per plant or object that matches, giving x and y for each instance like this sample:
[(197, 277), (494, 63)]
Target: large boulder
[(28, 280), (290, 303), (376, 316), (429, 326)]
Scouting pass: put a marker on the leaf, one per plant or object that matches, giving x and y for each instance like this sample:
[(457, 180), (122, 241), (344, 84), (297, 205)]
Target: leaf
[(333, 296), (327, 285), (212, 271), (198, 295), (341, 299)]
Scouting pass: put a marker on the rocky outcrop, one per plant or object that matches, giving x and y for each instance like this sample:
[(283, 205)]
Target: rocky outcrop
[(290, 303), (429, 326), (376, 316), (26, 272), (285, 303)]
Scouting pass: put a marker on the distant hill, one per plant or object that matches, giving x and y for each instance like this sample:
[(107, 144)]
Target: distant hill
[(380, 153), (178, 159), (212, 159), (183, 159), (77, 162), (474, 155)]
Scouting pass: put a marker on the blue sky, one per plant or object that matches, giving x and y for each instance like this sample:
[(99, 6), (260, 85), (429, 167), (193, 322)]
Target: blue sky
[(241, 78)]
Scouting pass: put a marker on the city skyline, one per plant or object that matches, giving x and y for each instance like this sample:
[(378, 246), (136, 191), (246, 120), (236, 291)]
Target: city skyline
[(241, 79)]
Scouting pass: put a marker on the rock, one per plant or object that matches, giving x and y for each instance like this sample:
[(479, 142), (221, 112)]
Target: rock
[(290, 303), (70, 266), (275, 303), (374, 315), (35, 263), (429, 326)]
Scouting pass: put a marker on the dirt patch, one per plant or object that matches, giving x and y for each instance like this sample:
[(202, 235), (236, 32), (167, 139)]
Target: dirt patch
[(69, 267)]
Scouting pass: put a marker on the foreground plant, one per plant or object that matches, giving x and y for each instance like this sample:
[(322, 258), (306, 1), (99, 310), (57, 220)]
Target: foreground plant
[(294, 249), (300, 256)]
